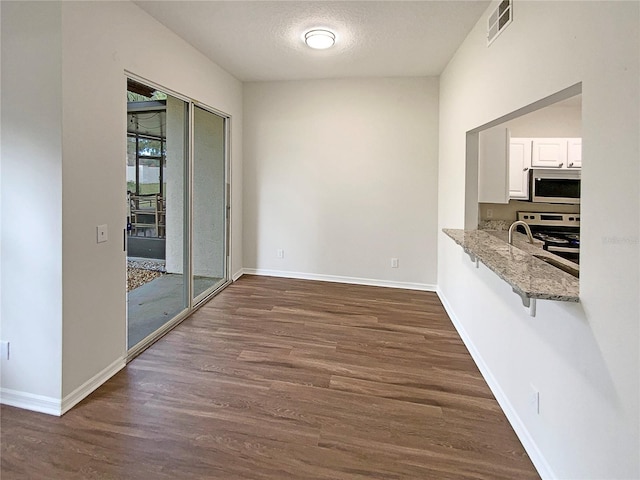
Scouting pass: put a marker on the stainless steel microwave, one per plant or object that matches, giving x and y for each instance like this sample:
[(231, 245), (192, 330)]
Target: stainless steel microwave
[(553, 185)]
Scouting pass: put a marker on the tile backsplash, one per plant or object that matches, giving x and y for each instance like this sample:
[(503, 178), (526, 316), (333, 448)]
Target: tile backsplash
[(507, 213)]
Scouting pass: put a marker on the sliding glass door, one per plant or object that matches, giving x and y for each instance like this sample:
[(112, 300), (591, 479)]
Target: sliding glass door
[(177, 192), (209, 206)]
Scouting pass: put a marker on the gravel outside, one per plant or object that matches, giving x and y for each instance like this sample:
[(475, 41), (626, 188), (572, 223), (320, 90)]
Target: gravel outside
[(141, 271)]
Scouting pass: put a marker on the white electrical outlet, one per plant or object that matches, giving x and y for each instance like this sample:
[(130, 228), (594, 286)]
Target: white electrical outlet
[(4, 350), (280, 253), (101, 231), (489, 213), (534, 400), (394, 263)]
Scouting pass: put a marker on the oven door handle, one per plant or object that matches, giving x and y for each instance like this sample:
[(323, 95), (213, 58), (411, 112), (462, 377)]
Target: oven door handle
[(553, 248)]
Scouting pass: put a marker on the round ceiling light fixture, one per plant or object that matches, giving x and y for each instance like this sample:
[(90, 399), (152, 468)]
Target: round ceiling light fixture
[(320, 39)]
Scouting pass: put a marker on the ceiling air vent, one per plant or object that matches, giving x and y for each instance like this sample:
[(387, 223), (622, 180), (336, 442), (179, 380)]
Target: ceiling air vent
[(499, 19)]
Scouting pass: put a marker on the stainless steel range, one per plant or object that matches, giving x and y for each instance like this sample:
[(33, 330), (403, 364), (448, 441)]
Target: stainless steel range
[(560, 232)]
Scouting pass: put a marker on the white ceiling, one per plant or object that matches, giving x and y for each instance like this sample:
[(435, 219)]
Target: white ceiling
[(262, 40)]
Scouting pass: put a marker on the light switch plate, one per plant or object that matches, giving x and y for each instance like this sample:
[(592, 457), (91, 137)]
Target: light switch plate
[(101, 231)]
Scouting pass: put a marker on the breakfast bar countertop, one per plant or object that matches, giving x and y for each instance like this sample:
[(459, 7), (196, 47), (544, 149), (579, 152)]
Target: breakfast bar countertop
[(529, 276)]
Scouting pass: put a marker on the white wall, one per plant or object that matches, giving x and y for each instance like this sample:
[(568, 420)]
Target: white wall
[(31, 290), (341, 175), (97, 49), (552, 121), (582, 358), (88, 284)]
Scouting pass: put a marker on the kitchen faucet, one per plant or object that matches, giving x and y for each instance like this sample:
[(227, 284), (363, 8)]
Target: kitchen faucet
[(526, 228)]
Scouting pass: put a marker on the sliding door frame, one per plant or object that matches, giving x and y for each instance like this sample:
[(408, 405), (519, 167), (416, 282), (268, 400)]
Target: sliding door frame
[(210, 292), (188, 191)]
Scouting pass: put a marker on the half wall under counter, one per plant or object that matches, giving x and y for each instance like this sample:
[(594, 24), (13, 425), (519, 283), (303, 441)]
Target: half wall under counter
[(530, 277)]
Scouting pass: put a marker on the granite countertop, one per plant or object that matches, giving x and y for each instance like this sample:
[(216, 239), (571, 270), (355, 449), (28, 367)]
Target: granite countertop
[(515, 264)]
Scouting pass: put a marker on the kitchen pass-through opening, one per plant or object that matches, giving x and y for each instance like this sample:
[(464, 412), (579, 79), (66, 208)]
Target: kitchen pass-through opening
[(529, 161)]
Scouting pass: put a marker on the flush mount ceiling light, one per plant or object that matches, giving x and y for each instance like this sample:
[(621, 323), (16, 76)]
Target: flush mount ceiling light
[(320, 39)]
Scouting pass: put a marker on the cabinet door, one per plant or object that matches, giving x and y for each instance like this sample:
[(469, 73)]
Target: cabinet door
[(493, 151), (574, 153), (519, 166), (549, 153)]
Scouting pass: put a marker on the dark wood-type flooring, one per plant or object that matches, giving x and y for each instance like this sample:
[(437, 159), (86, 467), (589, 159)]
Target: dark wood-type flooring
[(284, 379)]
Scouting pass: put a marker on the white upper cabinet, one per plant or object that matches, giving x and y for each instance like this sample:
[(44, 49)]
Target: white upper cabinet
[(574, 152), (549, 153), (556, 153), (504, 163), (519, 166)]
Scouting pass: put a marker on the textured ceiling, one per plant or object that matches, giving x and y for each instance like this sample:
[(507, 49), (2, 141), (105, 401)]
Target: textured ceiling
[(262, 40)]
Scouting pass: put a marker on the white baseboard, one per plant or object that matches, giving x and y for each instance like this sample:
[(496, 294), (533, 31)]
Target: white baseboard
[(338, 279), (29, 401), (55, 406), (237, 275), (90, 385), (536, 456)]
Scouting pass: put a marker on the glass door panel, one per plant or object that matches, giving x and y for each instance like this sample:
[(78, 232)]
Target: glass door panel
[(157, 159), (209, 228)]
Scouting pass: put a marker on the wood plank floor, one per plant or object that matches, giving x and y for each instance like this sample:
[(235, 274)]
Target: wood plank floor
[(284, 379)]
